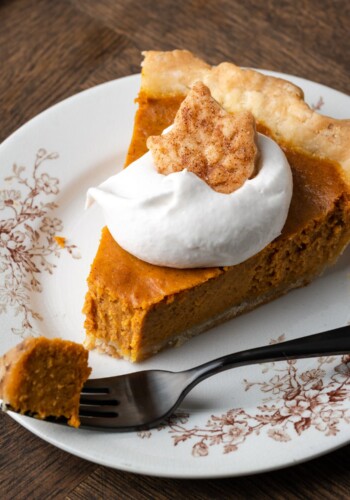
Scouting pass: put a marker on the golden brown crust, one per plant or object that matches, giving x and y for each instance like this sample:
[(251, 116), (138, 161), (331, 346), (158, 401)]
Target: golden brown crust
[(217, 146), (275, 103), (171, 73)]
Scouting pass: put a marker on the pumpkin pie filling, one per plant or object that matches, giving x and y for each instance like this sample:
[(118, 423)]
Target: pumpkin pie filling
[(134, 309), (44, 377)]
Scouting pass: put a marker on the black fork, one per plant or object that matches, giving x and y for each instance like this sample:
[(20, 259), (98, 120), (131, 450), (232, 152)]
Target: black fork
[(141, 400)]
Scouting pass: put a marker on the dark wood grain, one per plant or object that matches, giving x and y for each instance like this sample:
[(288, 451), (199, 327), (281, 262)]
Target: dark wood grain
[(304, 38), (50, 50), (30, 470)]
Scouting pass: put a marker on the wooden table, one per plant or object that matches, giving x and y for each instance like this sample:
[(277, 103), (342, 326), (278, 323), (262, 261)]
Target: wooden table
[(50, 50)]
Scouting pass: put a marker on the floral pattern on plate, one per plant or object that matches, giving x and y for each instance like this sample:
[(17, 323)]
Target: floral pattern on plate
[(298, 400), (27, 238)]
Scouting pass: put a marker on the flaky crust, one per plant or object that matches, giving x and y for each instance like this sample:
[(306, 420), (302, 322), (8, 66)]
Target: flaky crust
[(218, 146), (275, 103)]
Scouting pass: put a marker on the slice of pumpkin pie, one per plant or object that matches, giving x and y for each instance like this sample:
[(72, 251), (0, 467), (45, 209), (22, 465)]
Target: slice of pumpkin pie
[(166, 278)]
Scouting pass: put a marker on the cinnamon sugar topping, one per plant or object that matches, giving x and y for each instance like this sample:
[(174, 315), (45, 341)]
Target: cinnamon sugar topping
[(218, 147)]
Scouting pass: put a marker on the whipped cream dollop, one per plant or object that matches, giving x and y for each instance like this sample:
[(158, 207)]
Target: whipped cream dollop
[(177, 220)]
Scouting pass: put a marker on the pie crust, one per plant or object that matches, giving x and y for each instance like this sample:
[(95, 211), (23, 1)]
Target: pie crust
[(219, 147), (275, 103)]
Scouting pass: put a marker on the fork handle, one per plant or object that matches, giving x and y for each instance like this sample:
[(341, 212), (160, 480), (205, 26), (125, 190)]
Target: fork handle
[(335, 341)]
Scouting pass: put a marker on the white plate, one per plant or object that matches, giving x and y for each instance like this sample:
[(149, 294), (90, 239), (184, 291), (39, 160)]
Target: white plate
[(249, 420)]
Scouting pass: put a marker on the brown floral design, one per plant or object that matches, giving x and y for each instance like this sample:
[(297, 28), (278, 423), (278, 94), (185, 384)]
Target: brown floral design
[(25, 251), (297, 401), (318, 105)]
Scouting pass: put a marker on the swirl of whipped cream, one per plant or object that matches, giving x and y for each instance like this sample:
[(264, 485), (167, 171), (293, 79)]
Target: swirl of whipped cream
[(177, 220)]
